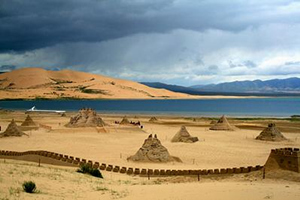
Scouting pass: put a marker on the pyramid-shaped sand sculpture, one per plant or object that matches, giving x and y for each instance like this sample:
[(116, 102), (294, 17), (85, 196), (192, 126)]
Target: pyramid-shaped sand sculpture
[(153, 119), (86, 117), (153, 151), (222, 125), (12, 130), (212, 122), (125, 121), (184, 136), (29, 122), (271, 133)]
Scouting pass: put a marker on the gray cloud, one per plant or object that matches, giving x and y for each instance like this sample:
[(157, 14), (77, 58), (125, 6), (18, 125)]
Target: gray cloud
[(29, 25), (247, 63), (180, 41), (7, 67), (293, 63)]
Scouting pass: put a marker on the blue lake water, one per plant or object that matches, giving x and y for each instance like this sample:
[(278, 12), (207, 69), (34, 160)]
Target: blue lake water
[(256, 107)]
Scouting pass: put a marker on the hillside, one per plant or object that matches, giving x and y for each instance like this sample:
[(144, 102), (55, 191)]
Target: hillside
[(174, 88), (290, 85), (275, 87), (35, 83)]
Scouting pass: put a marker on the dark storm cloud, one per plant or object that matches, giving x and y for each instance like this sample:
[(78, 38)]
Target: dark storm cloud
[(7, 67), (33, 24)]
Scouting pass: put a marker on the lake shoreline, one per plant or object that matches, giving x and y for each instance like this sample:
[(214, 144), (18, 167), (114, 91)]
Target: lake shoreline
[(241, 108)]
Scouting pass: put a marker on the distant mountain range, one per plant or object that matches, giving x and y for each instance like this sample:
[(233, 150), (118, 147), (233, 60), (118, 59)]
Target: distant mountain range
[(281, 87)]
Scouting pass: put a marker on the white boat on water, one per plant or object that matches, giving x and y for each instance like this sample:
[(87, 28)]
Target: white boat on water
[(33, 109)]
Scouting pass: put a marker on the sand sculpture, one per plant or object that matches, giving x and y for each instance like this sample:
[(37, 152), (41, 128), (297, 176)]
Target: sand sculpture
[(12, 130), (284, 158), (153, 151), (213, 122), (28, 122), (125, 121), (86, 117), (153, 119), (271, 133), (184, 136), (222, 124)]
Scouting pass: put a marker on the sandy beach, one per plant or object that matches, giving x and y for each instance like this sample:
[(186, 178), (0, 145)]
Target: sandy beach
[(215, 149)]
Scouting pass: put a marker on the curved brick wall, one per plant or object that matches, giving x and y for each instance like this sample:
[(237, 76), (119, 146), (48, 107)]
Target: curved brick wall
[(66, 160)]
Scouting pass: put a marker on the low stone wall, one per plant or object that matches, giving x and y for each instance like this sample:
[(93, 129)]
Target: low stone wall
[(284, 158), (66, 160)]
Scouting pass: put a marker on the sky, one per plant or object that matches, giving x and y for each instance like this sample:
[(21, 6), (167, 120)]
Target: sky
[(183, 42)]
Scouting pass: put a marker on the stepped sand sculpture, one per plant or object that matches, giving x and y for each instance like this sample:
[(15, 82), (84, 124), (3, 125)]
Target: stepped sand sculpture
[(29, 122), (222, 125), (125, 121), (153, 119), (271, 133), (284, 158), (12, 130), (153, 151), (184, 136), (86, 117)]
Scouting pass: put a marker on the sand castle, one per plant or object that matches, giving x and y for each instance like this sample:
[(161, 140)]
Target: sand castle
[(184, 136), (153, 119), (29, 124), (222, 125), (153, 151), (86, 117), (125, 121), (271, 133), (284, 158), (12, 130)]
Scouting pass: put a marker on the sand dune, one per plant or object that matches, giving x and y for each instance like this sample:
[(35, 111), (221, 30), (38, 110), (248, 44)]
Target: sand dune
[(36, 83), (30, 83)]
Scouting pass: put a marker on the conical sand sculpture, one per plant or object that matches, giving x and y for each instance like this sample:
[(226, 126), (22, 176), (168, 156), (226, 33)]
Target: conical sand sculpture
[(222, 124), (153, 151), (86, 117), (184, 136), (271, 133), (153, 119), (28, 122), (12, 130), (125, 121), (212, 122)]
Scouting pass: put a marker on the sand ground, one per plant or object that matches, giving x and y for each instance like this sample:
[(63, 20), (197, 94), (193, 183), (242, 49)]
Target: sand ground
[(216, 149)]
